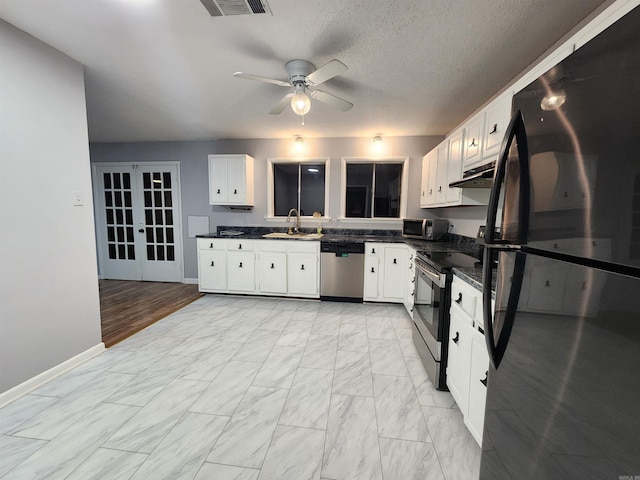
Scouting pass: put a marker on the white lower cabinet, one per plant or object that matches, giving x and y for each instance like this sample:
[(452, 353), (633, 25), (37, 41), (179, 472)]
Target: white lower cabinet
[(302, 274), (272, 272), (468, 360), (266, 267), (386, 272), (241, 271)]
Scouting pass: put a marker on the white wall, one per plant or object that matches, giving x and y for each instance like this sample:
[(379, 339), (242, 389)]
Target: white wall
[(194, 167), (49, 304)]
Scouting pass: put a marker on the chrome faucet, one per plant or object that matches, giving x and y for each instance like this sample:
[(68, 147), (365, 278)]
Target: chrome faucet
[(296, 229)]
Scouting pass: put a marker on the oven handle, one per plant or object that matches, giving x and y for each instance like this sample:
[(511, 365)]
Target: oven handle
[(435, 277)]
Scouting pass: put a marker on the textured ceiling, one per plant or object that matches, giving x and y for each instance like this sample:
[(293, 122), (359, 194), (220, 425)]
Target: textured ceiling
[(163, 69)]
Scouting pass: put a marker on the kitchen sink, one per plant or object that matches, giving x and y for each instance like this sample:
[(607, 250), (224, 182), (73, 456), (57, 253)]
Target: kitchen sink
[(301, 236)]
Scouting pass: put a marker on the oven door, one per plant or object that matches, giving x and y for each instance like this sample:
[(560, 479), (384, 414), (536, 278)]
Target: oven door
[(430, 306)]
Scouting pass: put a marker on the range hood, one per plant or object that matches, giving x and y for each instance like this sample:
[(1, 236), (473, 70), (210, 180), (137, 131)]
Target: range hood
[(479, 177)]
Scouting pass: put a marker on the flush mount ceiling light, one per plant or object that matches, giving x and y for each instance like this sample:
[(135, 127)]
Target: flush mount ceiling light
[(299, 142), (377, 143), (553, 100)]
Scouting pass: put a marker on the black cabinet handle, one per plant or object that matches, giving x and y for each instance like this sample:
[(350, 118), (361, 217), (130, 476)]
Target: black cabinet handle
[(373, 270), (302, 267), (547, 283), (430, 191), (211, 245), (212, 264), (459, 299), (486, 377), (456, 338), (395, 261), (240, 265), (239, 246), (272, 266), (218, 191), (373, 250), (141, 230), (440, 188), (495, 129), (473, 143), (235, 191)]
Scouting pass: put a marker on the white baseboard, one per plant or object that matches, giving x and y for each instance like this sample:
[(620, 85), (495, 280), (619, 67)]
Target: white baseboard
[(191, 281), (48, 375)]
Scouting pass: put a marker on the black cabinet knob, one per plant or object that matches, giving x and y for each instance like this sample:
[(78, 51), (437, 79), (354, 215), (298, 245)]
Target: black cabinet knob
[(395, 261), (211, 245), (239, 246), (302, 267), (141, 230), (373, 250), (240, 265), (373, 270), (459, 299), (235, 192), (485, 379), (272, 266), (456, 338), (212, 264), (218, 192)]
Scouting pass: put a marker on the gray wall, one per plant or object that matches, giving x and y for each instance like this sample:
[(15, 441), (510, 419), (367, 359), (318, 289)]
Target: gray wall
[(49, 306), (194, 171)]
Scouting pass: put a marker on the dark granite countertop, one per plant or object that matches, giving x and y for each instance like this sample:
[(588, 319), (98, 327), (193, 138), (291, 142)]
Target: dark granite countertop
[(473, 276)]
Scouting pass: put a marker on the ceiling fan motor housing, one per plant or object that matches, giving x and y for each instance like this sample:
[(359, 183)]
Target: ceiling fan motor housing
[(299, 70)]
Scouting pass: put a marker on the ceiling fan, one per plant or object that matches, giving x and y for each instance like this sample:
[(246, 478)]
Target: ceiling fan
[(302, 75)]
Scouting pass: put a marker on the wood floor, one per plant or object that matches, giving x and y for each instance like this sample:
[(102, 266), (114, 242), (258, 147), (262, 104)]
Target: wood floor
[(126, 307)]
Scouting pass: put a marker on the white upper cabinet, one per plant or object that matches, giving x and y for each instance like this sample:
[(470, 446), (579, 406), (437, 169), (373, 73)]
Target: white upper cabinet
[(474, 129), (442, 168), (429, 179), (454, 171), (231, 180), (496, 122)]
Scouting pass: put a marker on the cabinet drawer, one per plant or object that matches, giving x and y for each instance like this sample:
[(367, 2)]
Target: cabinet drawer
[(302, 246), (233, 245), (272, 245), (466, 297), (211, 244), (373, 248)]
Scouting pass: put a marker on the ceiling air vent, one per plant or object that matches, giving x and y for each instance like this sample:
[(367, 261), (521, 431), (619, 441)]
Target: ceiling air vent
[(222, 8)]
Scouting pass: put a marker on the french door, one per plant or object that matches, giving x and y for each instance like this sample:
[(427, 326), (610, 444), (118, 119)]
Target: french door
[(138, 221)]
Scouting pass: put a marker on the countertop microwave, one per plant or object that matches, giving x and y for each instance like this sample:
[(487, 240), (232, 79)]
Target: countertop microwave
[(425, 228)]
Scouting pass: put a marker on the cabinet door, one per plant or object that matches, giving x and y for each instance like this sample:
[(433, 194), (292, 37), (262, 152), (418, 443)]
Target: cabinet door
[(496, 123), (459, 358), (302, 275), (454, 170), (236, 180), (212, 270), (478, 374), (217, 180), (395, 273), (429, 167), (241, 271), (273, 272), (473, 141), (441, 172), (371, 277)]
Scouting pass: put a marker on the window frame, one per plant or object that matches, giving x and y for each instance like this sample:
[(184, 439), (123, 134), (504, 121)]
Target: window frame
[(270, 187), (404, 186)]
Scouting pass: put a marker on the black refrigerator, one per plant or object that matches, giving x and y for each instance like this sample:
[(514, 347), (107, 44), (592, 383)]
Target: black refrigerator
[(563, 394)]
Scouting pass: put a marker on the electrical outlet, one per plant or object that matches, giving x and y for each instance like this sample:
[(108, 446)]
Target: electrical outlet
[(78, 199)]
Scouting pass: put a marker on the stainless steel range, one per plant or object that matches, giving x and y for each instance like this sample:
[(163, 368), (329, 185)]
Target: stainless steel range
[(432, 299)]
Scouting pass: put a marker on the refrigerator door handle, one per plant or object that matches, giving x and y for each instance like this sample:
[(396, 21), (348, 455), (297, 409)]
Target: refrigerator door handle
[(515, 130), (497, 341)]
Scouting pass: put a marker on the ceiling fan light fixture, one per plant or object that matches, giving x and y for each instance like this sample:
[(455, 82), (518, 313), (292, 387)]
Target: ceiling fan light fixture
[(300, 102)]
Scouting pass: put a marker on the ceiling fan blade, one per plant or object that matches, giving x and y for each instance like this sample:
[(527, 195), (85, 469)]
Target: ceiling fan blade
[(332, 100), (249, 76), (327, 71), (282, 104)]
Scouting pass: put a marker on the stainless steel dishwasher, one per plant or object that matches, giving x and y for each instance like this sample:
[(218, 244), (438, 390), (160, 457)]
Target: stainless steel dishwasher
[(341, 271)]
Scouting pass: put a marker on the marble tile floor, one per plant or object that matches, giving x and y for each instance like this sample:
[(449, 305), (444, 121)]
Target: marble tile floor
[(245, 388)]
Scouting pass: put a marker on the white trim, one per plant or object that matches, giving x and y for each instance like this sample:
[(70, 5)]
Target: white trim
[(404, 187), (190, 281), (327, 176), (48, 375)]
